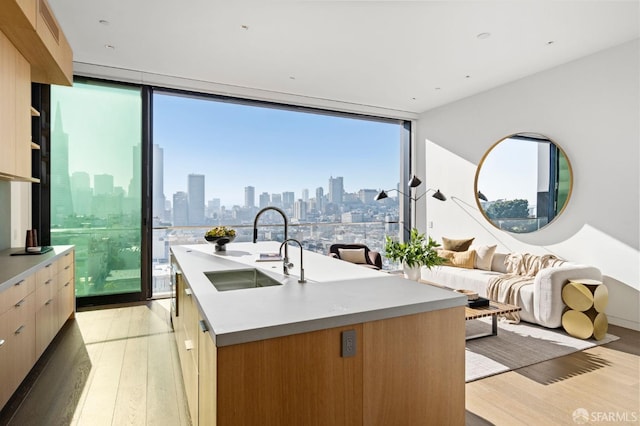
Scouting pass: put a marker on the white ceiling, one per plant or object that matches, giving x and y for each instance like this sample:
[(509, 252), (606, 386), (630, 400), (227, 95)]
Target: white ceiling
[(408, 56)]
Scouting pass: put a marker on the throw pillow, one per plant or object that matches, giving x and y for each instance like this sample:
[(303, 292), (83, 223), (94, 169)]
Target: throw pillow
[(459, 259), (484, 256), (456, 245), (352, 255)]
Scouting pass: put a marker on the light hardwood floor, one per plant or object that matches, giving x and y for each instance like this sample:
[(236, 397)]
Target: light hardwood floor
[(120, 366)]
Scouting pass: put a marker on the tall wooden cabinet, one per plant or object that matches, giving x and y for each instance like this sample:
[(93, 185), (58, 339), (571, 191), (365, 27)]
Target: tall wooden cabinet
[(32, 48)]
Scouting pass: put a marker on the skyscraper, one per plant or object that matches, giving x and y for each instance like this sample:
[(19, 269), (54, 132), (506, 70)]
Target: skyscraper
[(319, 198), (249, 196), (196, 199), (103, 184), (61, 204), (288, 198), (265, 200), (159, 198), (81, 193), (180, 209), (300, 210), (276, 200), (336, 190), (305, 195)]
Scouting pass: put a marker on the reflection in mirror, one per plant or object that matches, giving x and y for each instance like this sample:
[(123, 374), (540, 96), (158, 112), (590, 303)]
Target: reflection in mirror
[(523, 182)]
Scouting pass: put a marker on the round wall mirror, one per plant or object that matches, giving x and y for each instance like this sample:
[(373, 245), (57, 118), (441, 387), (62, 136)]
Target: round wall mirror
[(523, 182)]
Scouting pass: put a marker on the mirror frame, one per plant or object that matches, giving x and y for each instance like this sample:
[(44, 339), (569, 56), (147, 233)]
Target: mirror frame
[(486, 154)]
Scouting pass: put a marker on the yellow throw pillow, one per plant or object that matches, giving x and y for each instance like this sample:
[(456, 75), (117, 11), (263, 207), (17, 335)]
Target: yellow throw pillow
[(459, 259), (456, 245), (352, 255)]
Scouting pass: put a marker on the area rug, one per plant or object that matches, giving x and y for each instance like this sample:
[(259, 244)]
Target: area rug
[(517, 346)]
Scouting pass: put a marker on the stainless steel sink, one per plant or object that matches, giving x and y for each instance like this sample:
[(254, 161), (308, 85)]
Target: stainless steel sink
[(238, 279)]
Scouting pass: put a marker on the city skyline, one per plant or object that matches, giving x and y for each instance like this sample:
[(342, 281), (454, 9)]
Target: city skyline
[(272, 149)]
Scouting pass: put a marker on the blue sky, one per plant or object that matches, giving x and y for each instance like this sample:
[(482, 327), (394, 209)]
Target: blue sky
[(273, 150)]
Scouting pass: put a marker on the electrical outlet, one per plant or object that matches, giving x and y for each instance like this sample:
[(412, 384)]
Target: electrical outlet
[(348, 343)]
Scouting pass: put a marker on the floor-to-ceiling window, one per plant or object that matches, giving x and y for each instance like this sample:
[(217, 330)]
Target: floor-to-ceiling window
[(95, 180), (218, 161)]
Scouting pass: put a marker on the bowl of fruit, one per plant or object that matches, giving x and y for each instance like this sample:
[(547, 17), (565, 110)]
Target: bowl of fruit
[(220, 235)]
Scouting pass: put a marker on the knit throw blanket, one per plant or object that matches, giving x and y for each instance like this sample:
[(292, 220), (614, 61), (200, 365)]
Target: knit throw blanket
[(521, 271)]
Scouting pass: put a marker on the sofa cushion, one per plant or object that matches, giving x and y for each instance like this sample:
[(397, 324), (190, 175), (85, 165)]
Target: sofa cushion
[(484, 256), (460, 259), (352, 255), (456, 245), (498, 263)]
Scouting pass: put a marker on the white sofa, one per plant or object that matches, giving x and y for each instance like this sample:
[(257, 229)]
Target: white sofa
[(541, 302)]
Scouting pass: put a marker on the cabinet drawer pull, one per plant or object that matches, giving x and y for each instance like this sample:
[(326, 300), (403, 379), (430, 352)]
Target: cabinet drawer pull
[(67, 267), (67, 284), (67, 254), (1, 342), (47, 281), (48, 265), (19, 283), (19, 330), (188, 345), (20, 303), (203, 326), (48, 302), (187, 291)]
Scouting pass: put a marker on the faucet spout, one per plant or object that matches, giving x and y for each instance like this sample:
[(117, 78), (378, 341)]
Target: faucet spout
[(286, 258), (286, 229)]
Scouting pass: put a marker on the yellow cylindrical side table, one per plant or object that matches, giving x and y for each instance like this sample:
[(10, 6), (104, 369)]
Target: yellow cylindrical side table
[(586, 300)]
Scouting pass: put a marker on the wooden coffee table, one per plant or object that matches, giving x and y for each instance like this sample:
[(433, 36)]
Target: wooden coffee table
[(493, 310)]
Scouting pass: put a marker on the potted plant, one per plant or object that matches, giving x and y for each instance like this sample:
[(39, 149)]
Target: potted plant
[(418, 251)]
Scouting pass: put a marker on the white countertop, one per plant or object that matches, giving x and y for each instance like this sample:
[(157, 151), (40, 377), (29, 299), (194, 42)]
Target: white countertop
[(16, 268), (336, 293)]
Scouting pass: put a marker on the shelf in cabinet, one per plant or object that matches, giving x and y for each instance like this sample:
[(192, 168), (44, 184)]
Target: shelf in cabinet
[(34, 112)]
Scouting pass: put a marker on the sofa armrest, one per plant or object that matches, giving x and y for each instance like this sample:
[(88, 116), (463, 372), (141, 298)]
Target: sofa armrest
[(375, 258), (335, 256), (547, 293)]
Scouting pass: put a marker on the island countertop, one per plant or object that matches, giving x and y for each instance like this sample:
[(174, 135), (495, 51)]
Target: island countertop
[(337, 293)]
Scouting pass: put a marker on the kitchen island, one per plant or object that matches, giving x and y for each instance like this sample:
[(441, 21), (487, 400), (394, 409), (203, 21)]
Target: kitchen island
[(350, 346)]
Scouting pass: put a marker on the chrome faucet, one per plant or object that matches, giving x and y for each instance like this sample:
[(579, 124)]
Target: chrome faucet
[(286, 228), (288, 264)]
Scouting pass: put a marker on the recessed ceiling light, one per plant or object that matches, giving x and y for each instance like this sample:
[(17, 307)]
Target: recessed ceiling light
[(413, 99), (244, 27), (483, 36), (467, 76), (550, 42), (291, 77), (109, 46), (437, 88), (103, 22)]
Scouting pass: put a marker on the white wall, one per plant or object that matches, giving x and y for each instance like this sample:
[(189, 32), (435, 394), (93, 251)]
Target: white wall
[(591, 108)]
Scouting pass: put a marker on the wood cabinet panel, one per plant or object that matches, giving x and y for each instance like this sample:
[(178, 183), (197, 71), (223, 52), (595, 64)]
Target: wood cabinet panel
[(7, 105), (46, 318), (21, 341), (19, 290), (207, 379), (15, 114), (414, 369), (299, 379), (29, 8), (5, 390), (23, 117), (39, 38)]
